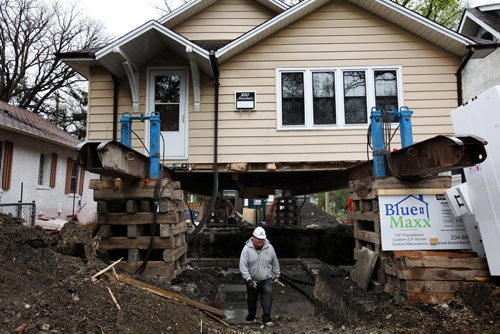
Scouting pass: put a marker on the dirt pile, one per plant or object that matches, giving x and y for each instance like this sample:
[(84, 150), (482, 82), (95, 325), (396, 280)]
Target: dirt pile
[(311, 214), (45, 291), (365, 311)]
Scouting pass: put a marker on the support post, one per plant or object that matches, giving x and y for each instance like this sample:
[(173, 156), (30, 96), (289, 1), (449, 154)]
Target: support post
[(154, 145), (126, 130), (377, 143), (405, 127)]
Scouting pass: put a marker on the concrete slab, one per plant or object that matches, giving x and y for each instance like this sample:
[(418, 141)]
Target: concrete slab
[(364, 268)]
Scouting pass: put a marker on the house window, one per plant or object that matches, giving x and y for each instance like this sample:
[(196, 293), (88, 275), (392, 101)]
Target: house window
[(331, 98), (167, 101), (293, 98), (44, 170), (71, 176), (324, 97), (355, 97)]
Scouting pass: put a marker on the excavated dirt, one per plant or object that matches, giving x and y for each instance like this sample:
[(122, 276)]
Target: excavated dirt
[(44, 291)]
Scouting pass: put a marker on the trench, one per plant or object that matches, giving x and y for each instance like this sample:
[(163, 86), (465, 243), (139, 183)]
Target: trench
[(301, 253)]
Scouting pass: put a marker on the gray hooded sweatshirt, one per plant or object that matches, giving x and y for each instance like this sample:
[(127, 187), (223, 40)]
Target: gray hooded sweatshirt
[(258, 265)]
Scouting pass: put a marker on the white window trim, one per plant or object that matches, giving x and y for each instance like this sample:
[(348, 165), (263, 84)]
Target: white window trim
[(339, 99)]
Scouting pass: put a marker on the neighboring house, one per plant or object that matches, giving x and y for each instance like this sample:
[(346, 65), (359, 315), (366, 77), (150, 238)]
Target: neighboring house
[(38, 163), (483, 25), (305, 77)]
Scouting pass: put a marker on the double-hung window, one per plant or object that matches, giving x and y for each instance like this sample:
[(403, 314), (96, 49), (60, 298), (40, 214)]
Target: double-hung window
[(330, 98)]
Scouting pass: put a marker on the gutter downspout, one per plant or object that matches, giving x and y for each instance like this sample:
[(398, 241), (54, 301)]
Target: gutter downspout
[(116, 88), (215, 185), (458, 74)]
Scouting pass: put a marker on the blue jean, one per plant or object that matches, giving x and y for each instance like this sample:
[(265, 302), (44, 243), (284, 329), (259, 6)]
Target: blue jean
[(265, 291)]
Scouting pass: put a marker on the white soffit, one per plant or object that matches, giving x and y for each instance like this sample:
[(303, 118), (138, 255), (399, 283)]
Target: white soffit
[(193, 7), (143, 43), (469, 17), (447, 39), (268, 28)]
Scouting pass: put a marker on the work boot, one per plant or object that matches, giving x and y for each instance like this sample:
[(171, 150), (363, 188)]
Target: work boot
[(250, 318)]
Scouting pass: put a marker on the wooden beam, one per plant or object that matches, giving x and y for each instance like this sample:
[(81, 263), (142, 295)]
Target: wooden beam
[(169, 295)]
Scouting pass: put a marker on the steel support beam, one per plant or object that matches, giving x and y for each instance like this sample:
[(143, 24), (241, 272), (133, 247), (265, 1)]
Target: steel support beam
[(435, 155)]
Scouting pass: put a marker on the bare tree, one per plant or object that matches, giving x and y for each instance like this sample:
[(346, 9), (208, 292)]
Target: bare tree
[(170, 5), (31, 33)]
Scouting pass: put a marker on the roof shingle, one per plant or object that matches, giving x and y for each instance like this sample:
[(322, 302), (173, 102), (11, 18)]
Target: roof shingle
[(33, 125)]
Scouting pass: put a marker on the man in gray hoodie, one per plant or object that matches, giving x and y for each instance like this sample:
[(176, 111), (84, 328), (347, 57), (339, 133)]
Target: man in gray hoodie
[(260, 269)]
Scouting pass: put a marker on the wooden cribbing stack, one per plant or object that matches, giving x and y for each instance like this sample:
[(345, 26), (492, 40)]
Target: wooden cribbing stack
[(125, 217), (430, 277), (286, 211)]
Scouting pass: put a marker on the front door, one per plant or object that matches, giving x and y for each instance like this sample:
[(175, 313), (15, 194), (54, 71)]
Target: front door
[(168, 96)]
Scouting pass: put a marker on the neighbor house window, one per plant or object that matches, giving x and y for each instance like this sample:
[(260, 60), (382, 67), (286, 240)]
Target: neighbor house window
[(44, 170), (71, 176), (330, 98)]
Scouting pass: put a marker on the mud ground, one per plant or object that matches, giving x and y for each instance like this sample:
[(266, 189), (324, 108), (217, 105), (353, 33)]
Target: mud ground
[(44, 291)]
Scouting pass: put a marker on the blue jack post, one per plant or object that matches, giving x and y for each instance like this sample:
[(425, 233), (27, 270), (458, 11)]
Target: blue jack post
[(154, 138), (378, 144)]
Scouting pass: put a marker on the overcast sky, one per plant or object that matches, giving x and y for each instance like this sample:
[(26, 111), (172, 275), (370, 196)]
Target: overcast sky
[(122, 16)]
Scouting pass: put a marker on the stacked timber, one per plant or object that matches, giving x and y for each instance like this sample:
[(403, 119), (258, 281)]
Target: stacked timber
[(129, 228), (286, 211), (430, 277)]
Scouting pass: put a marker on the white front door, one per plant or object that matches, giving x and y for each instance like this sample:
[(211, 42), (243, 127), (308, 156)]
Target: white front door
[(168, 96)]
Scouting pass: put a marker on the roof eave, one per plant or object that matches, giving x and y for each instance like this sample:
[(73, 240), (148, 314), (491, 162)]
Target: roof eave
[(35, 136)]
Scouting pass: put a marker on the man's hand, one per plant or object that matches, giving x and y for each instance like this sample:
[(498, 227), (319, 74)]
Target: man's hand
[(275, 280), (252, 284)]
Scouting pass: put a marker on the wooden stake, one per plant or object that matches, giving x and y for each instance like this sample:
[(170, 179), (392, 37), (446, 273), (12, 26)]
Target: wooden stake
[(106, 269), (114, 299)]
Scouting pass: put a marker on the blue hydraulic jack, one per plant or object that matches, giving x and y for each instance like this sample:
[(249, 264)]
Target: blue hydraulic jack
[(403, 115), (154, 138)]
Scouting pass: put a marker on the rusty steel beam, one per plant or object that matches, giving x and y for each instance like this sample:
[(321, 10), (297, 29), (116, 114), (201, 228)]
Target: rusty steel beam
[(435, 155), (114, 159)]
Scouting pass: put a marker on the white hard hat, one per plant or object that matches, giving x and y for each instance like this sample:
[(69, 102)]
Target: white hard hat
[(259, 233)]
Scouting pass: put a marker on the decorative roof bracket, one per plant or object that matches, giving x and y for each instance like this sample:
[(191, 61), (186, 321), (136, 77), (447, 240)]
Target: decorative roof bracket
[(195, 73), (132, 72)]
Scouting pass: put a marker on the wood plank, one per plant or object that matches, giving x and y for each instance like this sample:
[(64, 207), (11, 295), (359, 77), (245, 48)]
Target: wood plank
[(135, 193), (170, 255), (431, 286), (372, 237), (445, 262), (432, 298), (154, 268), (410, 191), (136, 243), (170, 295), (418, 254), (439, 274), (139, 218), (169, 230)]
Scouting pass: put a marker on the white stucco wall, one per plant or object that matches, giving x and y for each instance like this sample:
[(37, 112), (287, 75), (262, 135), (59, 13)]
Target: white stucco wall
[(480, 75), (52, 202)]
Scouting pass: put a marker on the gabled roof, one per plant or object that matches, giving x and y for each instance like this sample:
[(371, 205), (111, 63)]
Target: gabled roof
[(193, 7), (140, 44), (407, 19), (485, 17), (30, 124)]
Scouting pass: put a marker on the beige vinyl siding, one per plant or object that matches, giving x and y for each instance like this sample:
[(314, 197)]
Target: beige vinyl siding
[(224, 20), (337, 35)]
